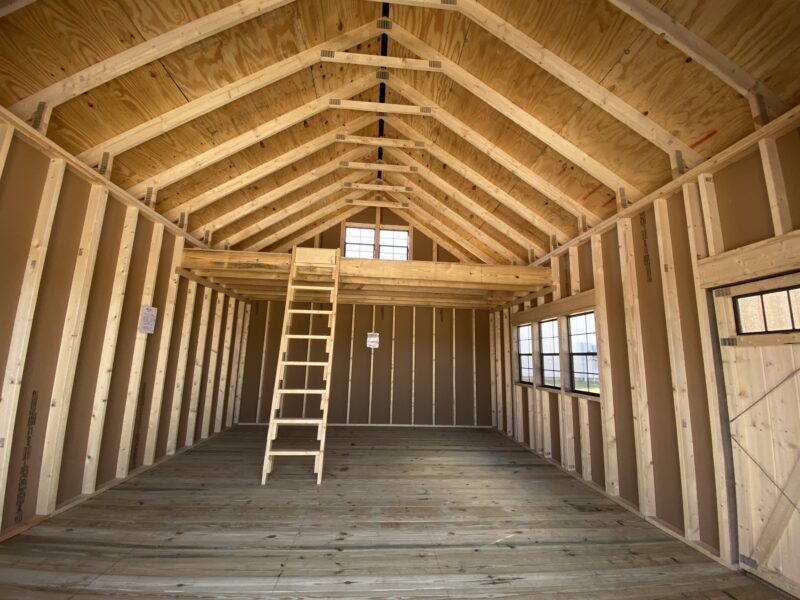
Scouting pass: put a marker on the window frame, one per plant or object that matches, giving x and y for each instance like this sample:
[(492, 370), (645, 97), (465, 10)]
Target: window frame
[(793, 318), (571, 355), (407, 247), (556, 354), (520, 355), (360, 226)]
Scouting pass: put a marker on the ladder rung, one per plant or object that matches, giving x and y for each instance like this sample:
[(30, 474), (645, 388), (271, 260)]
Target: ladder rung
[(304, 363), (304, 311), (298, 421), (327, 288), (301, 391), (306, 336), (294, 452)]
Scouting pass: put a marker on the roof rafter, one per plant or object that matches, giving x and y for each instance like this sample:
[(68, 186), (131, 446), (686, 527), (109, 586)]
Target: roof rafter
[(271, 196), (439, 237), (464, 131), (220, 97), (523, 118), (569, 75), (144, 53), (298, 239), (453, 192), (429, 224), (701, 51), (240, 142), (470, 205), (482, 182), (294, 208), (271, 166)]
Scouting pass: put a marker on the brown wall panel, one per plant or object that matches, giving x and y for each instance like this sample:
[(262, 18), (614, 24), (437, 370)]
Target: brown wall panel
[(743, 203), (382, 366), (596, 444), (271, 356), (618, 342), (423, 247), (576, 427), (555, 425), (337, 410), (359, 390), (218, 367), (201, 404), (445, 396), (151, 351), (401, 405), (658, 378), (86, 373), (129, 322), (252, 362), (190, 367), (483, 369), (42, 358), (465, 368), (695, 375), (423, 362), (19, 203), (171, 368)]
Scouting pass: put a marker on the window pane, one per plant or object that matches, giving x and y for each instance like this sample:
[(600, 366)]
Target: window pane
[(751, 316), (579, 364), (526, 362), (776, 309), (547, 346), (577, 324), (591, 342), (524, 346), (590, 326)]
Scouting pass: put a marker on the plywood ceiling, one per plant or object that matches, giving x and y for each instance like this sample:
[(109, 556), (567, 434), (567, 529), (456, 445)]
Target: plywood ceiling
[(521, 142)]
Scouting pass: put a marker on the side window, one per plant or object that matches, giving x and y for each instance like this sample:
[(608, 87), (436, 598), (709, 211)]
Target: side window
[(551, 366)]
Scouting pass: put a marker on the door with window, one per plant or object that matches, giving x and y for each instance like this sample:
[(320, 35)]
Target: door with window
[(759, 329)]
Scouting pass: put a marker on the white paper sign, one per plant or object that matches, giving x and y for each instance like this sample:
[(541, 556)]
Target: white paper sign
[(147, 320), (373, 340)]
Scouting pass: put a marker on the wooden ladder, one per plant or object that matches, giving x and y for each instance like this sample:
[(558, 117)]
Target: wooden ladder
[(314, 279)]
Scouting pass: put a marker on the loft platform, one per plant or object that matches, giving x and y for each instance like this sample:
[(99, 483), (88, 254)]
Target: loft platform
[(263, 276)]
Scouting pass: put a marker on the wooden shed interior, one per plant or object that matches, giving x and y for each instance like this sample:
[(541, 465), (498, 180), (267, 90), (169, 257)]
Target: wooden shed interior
[(516, 283)]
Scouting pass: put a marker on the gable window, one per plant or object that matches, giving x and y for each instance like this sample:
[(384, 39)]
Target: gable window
[(393, 244), (772, 311), (548, 342), (525, 353), (583, 353), (359, 242)]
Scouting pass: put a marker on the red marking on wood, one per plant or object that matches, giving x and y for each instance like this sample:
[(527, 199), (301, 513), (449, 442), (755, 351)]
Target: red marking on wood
[(592, 191), (710, 134), (607, 202), (562, 171)]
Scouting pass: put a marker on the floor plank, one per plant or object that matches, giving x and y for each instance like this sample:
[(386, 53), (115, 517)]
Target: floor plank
[(401, 513)]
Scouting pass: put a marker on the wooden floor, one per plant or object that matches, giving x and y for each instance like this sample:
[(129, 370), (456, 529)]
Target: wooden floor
[(402, 513)]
